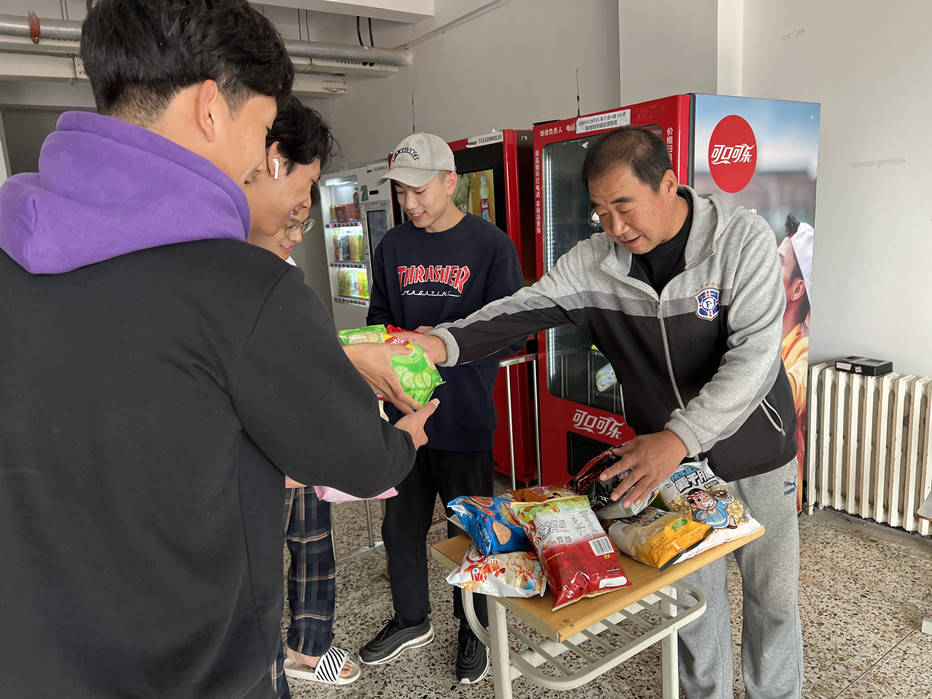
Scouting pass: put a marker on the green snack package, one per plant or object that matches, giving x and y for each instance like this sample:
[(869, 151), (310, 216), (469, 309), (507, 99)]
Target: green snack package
[(417, 373), (370, 333)]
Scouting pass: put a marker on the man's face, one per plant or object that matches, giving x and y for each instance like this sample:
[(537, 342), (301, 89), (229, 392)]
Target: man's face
[(426, 205), (631, 212), (793, 283), (274, 203), (241, 147)]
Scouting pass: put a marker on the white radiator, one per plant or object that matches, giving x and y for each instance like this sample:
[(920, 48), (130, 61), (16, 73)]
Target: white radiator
[(869, 445)]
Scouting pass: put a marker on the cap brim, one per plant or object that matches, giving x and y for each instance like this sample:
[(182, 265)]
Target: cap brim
[(409, 176)]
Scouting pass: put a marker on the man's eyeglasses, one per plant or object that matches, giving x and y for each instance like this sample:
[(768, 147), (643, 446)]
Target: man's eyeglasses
[(304, 227)]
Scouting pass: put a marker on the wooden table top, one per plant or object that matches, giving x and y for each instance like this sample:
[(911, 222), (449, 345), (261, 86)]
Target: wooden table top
[(573, 618)]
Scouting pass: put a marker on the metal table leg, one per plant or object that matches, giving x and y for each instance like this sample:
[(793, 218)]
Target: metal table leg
[(669, 652), (499, 650)]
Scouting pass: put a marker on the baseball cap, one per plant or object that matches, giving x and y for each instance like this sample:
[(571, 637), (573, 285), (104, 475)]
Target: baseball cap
[(802, 246), (418, 159)]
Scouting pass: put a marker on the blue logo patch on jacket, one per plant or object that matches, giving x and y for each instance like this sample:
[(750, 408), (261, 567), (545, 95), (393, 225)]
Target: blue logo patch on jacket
[(707, 304)]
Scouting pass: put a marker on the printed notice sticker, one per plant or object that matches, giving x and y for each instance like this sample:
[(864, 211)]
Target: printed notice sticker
[(609, 120), (485, 139)]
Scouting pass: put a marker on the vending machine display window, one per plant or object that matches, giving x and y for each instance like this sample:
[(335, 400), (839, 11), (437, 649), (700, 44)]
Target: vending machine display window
[(576, 370), (377, 225)]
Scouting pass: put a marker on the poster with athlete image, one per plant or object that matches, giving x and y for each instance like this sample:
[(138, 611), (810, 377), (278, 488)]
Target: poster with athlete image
[(763, 154)]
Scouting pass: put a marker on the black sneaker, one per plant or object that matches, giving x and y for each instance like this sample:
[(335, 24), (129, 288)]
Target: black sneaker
[(472, 657), (393, 639)]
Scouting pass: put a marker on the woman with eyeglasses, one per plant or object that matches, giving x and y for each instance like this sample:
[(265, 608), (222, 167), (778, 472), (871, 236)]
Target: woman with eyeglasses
[(280, 196), (283, 241)]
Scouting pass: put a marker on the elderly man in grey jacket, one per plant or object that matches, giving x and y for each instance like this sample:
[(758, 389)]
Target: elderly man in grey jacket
[(683, 294)]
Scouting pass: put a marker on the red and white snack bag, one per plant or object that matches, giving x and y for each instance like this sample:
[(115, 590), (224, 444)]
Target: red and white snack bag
[(577, 556), (516, 574)]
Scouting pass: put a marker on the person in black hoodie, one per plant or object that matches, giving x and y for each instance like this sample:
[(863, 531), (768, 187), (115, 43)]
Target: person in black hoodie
[(440, 265), (144, 431)]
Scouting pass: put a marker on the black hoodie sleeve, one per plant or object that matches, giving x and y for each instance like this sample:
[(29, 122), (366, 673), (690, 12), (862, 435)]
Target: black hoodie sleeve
[(379, 311), (304, 404)]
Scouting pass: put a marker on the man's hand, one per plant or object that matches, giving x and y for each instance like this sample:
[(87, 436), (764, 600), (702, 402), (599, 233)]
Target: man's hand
[(413, 424), (651, 458), (432, 345), (374, 361)]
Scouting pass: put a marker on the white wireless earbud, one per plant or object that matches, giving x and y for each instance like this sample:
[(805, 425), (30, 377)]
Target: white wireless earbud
[(275, 174)]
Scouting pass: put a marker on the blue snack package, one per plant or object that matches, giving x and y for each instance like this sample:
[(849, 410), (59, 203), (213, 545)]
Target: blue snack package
[(490, 524)]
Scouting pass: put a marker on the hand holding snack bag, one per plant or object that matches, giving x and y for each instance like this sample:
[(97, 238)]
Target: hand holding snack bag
[(491, 526), (416, 372), (599, 492), (516, 574), (577, 556)]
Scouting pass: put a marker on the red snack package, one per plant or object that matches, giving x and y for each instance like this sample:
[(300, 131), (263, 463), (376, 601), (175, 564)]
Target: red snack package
[(577, 556)]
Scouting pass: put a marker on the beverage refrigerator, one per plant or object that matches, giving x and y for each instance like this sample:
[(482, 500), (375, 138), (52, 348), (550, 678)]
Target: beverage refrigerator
[(759, 153), (357, 211)]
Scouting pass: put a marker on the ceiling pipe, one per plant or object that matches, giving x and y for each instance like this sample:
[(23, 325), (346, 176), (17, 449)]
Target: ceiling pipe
[(70, 30)]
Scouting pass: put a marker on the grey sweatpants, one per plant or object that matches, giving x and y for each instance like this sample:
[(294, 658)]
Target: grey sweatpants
[(771, 638)]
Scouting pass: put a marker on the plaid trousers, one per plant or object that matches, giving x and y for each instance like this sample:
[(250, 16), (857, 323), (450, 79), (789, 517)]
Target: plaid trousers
[(311, 578)]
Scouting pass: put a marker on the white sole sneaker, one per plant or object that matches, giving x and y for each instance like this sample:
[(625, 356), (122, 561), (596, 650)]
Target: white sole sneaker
[(416, 642)]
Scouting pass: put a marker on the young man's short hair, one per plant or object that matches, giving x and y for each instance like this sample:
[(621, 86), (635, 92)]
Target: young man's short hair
[(139, 53), (638, 148), (302, 135)]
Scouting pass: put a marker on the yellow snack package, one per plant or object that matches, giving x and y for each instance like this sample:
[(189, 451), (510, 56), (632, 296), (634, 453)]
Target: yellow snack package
[(656, 537)]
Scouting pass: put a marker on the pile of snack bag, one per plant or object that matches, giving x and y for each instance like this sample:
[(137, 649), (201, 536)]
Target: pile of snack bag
[(540, 535), (533, 537), (416, 372)]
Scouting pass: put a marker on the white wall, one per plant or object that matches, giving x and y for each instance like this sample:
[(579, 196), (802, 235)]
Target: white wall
[(667, 47), (502, 69), (869, 65), (4, 157)]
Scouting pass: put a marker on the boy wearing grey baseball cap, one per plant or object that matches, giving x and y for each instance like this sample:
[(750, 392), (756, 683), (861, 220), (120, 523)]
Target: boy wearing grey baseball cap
[(439, 265)]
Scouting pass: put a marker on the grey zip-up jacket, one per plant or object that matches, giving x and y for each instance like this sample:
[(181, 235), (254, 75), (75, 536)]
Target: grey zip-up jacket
[(702, 359)]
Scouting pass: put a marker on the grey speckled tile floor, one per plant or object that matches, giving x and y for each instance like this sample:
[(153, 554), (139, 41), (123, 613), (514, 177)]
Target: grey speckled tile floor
[(864, 590)]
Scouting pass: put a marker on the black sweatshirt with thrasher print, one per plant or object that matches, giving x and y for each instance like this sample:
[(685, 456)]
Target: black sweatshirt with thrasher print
[(422, 278)]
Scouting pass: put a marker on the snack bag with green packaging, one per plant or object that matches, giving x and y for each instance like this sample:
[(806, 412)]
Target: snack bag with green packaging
[(370, 333), (416, 372)]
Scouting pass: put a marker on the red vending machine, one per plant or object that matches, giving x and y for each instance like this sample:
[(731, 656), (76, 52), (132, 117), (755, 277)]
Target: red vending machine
[(495, 182), (758, 153)]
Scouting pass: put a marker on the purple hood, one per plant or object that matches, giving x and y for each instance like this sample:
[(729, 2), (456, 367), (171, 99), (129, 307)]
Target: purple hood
[(106, 188)]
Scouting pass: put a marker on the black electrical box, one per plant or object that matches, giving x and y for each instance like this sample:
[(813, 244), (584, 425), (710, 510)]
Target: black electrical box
[(864, 366)]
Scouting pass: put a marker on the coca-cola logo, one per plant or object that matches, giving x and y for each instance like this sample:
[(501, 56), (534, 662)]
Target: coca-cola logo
[(732, 153), (595, 424)]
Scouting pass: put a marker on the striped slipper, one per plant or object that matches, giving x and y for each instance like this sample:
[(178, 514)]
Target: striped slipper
[(327, 670)]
